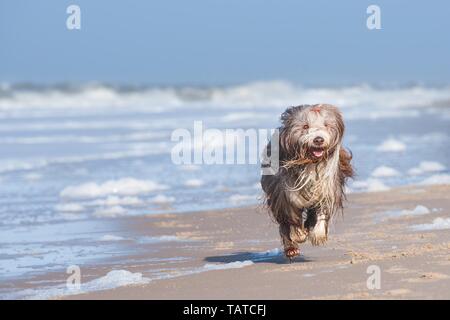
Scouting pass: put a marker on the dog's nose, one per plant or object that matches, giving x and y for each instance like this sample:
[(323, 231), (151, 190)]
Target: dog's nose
[(318, 140)]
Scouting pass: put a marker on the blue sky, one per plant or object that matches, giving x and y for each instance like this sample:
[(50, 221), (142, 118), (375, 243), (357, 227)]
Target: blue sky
[(210, 42)]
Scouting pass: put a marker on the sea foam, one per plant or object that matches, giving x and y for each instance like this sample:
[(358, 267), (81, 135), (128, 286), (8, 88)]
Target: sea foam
[(437, 224), (124, 186), (384, 172), (437, 179), (418, 210), (425, 167), (391, 145)]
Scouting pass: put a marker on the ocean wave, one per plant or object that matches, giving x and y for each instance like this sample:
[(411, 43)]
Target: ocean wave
[(91, 97), (69, 207), (194, 183), (230, 265), (136, 151), (426, 167), (241, 198), (161, 199), (437, 224), (436, 180), (368, 185), (110, 212), (391, 145), (112, 200), (125, 186), (113, 279), (111, 237), (385, 172), (417, 211), (54, 139)]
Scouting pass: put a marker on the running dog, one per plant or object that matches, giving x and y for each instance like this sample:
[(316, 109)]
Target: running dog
[(308, 189)]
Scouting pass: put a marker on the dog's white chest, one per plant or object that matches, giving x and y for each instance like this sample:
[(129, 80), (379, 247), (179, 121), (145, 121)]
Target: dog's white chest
[(304, 197)]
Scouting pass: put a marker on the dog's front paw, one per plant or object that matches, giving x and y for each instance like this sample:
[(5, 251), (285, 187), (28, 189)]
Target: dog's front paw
[(291, 252), (318, 235)]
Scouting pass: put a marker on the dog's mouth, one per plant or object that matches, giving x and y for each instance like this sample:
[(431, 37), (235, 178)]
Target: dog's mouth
[(316, 152)]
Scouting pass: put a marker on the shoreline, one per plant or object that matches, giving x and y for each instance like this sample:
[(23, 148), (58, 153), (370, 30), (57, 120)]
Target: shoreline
[(232, 253), (236, 253)]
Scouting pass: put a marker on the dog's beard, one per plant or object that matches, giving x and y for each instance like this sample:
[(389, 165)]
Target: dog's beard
[(318, 180), (309, 154)]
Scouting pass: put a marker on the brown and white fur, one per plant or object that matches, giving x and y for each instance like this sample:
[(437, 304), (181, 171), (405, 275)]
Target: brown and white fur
[(308, 189)]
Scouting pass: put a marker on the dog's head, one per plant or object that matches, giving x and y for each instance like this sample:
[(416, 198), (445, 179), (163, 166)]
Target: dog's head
[(311, 133)]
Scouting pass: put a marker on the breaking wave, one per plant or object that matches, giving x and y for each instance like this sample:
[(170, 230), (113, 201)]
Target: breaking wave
[(92, 97)]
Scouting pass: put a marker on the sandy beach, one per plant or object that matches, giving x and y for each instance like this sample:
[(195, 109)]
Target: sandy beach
[(233, 253)]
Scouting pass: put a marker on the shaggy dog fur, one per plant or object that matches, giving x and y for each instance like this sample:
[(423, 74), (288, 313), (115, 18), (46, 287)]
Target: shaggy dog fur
[(308, 189)]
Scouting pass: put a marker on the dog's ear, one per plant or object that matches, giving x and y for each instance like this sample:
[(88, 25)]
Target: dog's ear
[(288, 115), (345, 166)]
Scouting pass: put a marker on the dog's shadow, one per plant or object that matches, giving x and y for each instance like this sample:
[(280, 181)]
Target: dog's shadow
[(255, 257)]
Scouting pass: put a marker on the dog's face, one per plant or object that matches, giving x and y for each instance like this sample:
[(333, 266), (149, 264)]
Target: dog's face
[(312, 132)]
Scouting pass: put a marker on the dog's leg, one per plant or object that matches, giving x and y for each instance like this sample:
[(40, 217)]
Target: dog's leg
[(298, 234), (292, 236), (319, 234), (291, 249), (310, 219)]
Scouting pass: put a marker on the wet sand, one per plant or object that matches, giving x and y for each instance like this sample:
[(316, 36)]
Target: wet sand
[(412, 264)]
